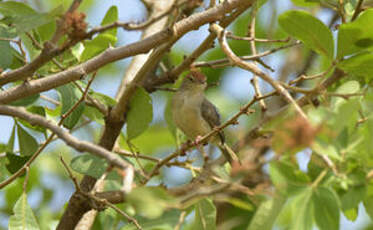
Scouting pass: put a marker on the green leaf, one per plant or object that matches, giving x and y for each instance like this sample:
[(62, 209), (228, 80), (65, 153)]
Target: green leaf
[(97, 45), (15, 162), (11, 8), (10, 146), (305, 3), (46, 31), (286, 177), (24, 17), (360, 64), (26, 101), (88, 164), (109, 101), (6, 50), (103, 40), (310, 30), (94, 115), (302, 208), (150, 202), (348, 87), (140, 113), (205, 215), (70, 95), (267, 213), (353, 197), (3, 170), (108, 219), (166, 222), (27, 143), (239, 203), (23, 218), (110, 17), (357, 35), (77, 50), (39, 110), (326, 210), (368, 204), (351, 214)]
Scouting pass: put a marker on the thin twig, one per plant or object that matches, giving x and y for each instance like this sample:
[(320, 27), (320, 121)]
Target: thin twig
[(26, 179), (225, 61), (251, 33), (357, 10), (252, 68), (75, 181), (253, 38), (319, 75), (342, 11)]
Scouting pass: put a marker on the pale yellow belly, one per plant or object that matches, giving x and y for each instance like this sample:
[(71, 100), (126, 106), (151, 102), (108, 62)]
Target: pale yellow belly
[(190, 121)]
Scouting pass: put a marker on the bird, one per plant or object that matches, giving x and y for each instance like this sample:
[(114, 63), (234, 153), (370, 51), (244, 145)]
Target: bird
[(196, 116)]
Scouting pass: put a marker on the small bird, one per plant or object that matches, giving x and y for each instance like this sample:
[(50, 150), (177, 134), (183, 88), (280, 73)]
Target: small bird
[(195, 115)]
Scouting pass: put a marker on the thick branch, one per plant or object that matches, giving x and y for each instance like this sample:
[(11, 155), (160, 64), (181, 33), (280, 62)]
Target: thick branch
[(79, 145)]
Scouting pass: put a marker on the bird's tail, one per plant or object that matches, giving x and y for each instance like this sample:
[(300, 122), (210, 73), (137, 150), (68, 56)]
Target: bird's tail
[(228, 153)]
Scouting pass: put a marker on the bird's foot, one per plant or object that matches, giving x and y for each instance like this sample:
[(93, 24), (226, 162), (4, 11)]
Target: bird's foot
[(197, 141), (184, 147)]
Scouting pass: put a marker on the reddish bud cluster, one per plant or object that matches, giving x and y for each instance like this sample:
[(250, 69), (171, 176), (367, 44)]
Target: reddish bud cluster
[(295, 133), (75, 26)]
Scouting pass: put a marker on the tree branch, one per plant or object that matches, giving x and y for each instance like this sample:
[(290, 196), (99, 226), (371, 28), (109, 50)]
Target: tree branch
[(81, 146)]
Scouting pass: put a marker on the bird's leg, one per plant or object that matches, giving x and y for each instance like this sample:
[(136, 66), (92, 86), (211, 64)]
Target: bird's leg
[(184, 147), (197, 142)]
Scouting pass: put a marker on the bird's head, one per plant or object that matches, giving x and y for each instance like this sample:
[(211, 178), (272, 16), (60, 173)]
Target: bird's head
[(194, 81)]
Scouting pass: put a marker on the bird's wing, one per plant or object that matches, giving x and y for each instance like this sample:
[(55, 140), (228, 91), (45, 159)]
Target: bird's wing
[(211, 116)]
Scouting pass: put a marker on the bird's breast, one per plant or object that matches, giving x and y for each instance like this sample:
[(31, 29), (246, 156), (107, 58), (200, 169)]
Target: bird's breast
[(187, 117)]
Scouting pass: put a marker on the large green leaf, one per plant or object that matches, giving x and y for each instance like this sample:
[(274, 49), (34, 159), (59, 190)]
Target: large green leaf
[(368, 201), (302, 209), (26, 101), (205, 215), (357, 35), (70, 95), (326, 210), (267, 213), (24, 17), (305, 3), (10, 145), (150, 202), (6, 50), (27, 143), (88, 164), (286, 177), (14, 162), (12, 8), (23, 218), (140, 113), (39, 110), (360, 64), (310, 30), (103, 40), (110, 17)]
